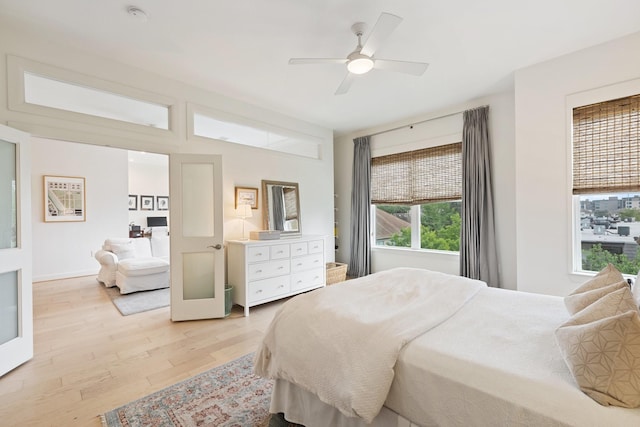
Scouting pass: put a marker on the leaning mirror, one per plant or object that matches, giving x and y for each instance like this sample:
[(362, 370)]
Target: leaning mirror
[(281, 201)]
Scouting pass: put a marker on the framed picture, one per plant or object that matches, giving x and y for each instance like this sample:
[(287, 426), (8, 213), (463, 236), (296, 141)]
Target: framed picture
[(64, 199), (162, 203), (146, 203), (133, 202), (247, 196)]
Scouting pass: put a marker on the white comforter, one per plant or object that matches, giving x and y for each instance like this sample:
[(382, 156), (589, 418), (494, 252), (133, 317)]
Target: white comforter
[(378, 315)]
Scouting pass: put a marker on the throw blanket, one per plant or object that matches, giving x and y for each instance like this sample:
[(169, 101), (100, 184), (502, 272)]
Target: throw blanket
[(342, 342)]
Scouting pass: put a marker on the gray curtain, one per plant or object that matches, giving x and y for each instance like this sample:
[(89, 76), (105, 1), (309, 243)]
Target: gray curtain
[(478, 256), (277, 205), (360, 259)]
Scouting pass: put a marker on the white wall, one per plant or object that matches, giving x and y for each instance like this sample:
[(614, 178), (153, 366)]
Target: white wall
[(501, 122), (65, 249), (242, 165), (148, 179), (542, 156)]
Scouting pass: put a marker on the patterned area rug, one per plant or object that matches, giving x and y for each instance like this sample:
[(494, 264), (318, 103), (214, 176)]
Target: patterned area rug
[(138, 302), (227, 396)]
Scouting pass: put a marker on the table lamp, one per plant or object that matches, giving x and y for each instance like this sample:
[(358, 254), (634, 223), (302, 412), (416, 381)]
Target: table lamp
[(244, 212)]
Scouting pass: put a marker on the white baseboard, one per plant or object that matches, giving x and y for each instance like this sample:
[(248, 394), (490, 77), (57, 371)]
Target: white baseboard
[(66, 275)]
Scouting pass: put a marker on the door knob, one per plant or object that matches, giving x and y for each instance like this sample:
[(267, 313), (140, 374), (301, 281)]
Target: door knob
[(218, 246)]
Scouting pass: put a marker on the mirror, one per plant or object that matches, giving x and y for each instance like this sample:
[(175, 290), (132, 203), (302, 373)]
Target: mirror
[(281, 201)]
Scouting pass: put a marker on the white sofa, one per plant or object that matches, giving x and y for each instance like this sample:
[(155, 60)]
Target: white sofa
[(133, 265)]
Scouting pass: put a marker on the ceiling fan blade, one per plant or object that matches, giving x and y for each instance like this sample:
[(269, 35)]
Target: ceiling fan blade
[(299, 61), (413, 68), (346, 84), (384, 27)]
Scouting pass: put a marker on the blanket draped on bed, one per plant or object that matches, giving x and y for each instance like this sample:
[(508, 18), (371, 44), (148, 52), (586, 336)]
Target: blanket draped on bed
[(342, 342)]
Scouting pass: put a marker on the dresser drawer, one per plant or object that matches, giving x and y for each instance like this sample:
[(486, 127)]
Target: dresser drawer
[(316, 247), (268, 288), (299, 249), (279, 251), (262, 270), (307, 279), (258, 253), (307, 262)]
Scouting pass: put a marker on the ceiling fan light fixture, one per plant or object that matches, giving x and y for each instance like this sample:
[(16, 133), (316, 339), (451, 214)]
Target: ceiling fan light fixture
[(360, 65)]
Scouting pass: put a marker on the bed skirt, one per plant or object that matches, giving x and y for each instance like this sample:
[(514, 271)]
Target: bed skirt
[(288, 399)]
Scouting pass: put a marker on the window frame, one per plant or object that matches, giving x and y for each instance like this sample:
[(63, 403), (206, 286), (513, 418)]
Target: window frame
[(17, 67), (575, 100)]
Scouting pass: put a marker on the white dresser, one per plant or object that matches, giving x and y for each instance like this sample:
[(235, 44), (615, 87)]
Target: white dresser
[(266, 270)]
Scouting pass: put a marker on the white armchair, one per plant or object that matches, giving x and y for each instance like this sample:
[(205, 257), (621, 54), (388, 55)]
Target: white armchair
[(133, 265)]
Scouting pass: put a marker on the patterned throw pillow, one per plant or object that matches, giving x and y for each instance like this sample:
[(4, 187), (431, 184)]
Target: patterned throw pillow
[(606, 276), (577, 302), (595, 288), (601, 346)]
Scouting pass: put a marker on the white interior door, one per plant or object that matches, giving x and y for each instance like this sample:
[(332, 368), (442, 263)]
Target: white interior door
[(16, 299), (197, 255)]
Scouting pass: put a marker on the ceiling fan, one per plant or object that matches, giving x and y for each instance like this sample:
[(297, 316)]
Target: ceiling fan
[(361, 60)]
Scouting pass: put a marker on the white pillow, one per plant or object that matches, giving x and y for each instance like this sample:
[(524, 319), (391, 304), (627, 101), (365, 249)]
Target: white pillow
[(123, 250)]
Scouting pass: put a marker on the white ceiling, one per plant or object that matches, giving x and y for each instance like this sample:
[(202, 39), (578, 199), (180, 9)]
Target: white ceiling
[(240, 48)]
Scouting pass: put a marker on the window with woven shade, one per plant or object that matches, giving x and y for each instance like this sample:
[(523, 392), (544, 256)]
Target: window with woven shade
[(420, 176), (606, 182), (606, 146), (417, 198)]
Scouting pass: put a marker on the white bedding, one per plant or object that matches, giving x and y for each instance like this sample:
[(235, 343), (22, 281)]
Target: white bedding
[(495, 362), (342, 343)]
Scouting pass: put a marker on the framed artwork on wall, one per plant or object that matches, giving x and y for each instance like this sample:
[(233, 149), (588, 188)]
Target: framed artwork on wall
[(133, 202), (162, 203), (247, 196), (64, 199), (146, 203)]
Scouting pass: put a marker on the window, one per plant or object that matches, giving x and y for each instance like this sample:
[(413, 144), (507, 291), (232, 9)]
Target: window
[(68, 96), (606, 182), (417, 195), (239, 130)]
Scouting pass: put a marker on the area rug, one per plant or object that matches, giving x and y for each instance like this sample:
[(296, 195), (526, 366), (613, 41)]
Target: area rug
[(227, 396), (138, 302)]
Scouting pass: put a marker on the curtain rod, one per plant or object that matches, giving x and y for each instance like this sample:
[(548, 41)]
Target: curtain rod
[(411, 125)]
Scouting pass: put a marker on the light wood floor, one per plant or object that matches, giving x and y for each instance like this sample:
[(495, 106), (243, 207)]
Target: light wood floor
[(90, 359)]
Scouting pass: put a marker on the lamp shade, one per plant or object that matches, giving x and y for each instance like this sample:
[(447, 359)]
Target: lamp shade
[(244, 211)]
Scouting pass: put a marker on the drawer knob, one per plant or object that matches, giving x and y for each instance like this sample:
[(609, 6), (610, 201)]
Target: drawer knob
[(259, 291), (280, 268), (281, 286), (258, 271), (299, 264)]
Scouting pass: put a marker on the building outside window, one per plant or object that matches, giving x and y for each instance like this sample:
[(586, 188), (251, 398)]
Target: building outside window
[(606, 181), (416, 198)]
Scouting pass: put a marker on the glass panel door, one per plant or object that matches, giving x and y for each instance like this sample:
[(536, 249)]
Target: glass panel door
[(197, 258), (16, 313), (8, 196)]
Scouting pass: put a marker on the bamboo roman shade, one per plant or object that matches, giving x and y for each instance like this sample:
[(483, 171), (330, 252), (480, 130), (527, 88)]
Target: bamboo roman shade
[(606, 146), (415, 177)]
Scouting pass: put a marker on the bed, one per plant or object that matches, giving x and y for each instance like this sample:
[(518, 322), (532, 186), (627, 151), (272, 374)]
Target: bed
[(491, 358)]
